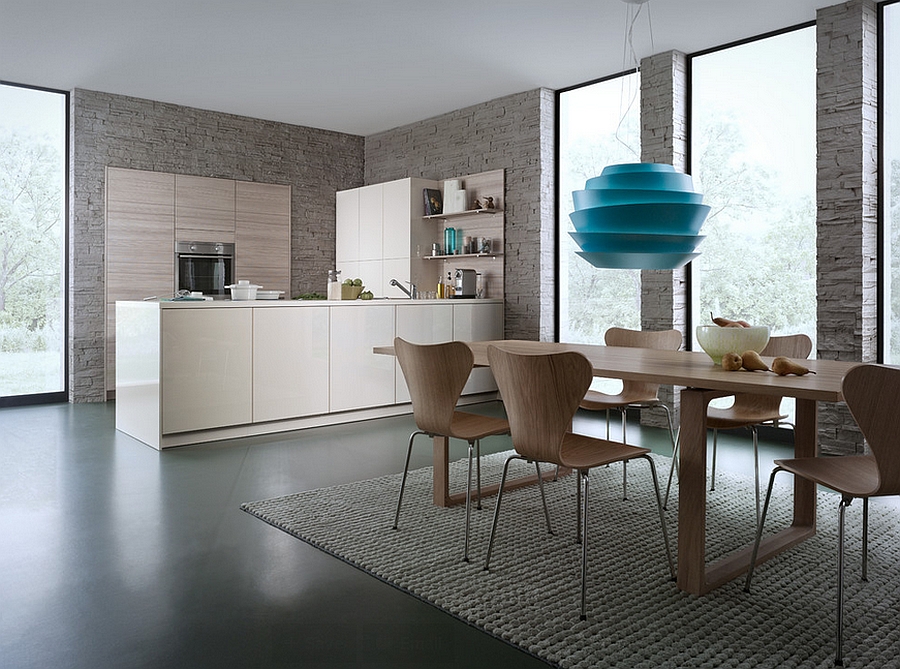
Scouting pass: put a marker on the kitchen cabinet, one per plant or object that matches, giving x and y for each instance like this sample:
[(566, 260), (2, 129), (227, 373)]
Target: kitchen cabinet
[(189, 372), (263, 234), (478, 321), (358, 377), (207, 368), (378, 232), (146, 212), (290, 362), (140, 248), (204, 209), (423, 323)]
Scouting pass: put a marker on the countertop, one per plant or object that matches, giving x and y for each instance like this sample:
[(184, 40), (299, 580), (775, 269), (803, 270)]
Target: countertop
[(218, 304)]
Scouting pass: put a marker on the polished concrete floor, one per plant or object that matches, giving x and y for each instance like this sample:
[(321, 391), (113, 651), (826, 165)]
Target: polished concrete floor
[(115, 555)]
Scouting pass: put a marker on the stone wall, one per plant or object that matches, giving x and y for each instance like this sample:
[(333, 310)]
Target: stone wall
[(664, 139), (847, 199), (513, 133), (141, 134)]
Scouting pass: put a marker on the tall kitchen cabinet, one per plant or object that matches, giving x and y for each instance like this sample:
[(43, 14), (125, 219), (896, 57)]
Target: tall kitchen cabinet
[(204, 209), (140, 258), (147, 212), (263, 234), (378, 229)]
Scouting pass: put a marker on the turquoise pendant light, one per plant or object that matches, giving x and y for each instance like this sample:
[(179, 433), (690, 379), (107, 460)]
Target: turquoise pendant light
[(638, 216)]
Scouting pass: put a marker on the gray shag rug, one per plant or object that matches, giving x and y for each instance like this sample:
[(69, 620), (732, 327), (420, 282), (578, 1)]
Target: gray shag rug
[(636, 615)]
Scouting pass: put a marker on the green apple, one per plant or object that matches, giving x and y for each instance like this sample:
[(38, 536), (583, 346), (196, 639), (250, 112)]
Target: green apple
[(357, 282)]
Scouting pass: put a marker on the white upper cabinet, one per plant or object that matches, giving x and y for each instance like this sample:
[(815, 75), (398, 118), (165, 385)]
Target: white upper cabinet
[(347, 226)]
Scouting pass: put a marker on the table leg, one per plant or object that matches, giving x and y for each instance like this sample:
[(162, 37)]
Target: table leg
[(441, 477), (694, 575)]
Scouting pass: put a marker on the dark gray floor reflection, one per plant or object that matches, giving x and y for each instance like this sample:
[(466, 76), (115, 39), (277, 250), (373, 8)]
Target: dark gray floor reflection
[(115, 555)]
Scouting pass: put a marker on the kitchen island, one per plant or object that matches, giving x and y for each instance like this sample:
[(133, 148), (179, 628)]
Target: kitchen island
[(190, 372)]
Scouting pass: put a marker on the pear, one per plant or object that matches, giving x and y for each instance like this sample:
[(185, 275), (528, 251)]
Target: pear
[(731, 362), (727, 322), (784, 366), (752, 362)]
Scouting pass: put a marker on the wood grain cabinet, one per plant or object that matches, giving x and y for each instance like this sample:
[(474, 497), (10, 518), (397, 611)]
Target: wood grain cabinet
[(140, 249), (263, 235), (204, 209)]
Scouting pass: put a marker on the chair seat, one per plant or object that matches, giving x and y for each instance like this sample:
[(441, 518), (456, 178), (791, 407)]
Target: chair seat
[(580, 451), (471, 426), (854, 475), (594, 400), (727, 419)]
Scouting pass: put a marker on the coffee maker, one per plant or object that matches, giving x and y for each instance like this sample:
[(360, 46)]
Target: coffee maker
[(465, 284)]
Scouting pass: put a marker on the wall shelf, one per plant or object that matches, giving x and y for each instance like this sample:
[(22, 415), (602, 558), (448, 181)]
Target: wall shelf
[(463, 255), (463, 214)]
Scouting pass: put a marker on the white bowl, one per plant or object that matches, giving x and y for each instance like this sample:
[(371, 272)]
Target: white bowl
[(243, 290), (717, 341)]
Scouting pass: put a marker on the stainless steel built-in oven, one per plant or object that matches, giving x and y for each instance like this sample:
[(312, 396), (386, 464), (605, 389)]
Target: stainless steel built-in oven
[(206, 267)]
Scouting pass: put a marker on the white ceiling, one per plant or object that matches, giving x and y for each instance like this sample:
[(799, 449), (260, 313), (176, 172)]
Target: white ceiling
[(356, 66)]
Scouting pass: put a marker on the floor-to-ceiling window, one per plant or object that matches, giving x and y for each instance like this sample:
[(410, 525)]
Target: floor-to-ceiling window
[(890, 179), (33, 124), (753, 156), (599, 125)]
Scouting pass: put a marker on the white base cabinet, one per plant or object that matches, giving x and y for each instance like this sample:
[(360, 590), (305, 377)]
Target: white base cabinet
[(290, 363), (189, 372)]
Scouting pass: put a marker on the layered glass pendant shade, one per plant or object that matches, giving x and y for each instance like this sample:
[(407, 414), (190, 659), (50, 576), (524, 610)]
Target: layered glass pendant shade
[(638, 216)]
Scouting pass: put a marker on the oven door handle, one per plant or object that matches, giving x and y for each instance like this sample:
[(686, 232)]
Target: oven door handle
[(204, 257)]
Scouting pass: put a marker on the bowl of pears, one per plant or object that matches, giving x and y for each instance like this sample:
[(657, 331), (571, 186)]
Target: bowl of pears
[(731, 336)]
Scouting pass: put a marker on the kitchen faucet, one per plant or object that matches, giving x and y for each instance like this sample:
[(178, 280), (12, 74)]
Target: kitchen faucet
[(413, 292)]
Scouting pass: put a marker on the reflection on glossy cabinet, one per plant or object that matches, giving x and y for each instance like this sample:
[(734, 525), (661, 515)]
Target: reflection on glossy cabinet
[(478, 322), (140, 249), (421, 324), (290, 362), (359, 378), (207, 368)]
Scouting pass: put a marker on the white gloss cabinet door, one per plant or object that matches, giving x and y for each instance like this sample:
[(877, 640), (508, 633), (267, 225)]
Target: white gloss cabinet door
[(290, 362), (207, 368), (422, 324), (371, 219), (478, 322), (359, 378), (396, 221), (347, 226)]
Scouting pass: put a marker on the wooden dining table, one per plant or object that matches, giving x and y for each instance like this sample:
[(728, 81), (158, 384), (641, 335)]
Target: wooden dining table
[(701, 381)]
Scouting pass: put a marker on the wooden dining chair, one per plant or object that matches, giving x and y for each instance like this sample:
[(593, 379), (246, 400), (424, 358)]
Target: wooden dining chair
[(750, 411), (541, 395), (435, 375), (634, 394), (870, 392)]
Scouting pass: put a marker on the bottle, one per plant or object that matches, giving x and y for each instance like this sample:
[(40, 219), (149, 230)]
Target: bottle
[(449, 290), (449, 241), (334, 284)]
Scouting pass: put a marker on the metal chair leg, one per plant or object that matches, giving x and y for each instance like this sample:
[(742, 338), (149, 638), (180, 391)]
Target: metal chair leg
[(578, 507), (756, 467), (487, 558), (624, 412), (478, 469), (865, 540), (405, 471), (583, 474), (662, 516), (839, 617), (468, 501), (712, 485), (537, 467), (759, 529)]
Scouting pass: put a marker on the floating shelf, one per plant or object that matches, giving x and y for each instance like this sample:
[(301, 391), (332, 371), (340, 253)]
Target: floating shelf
[(462, 214), (463, 255)]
